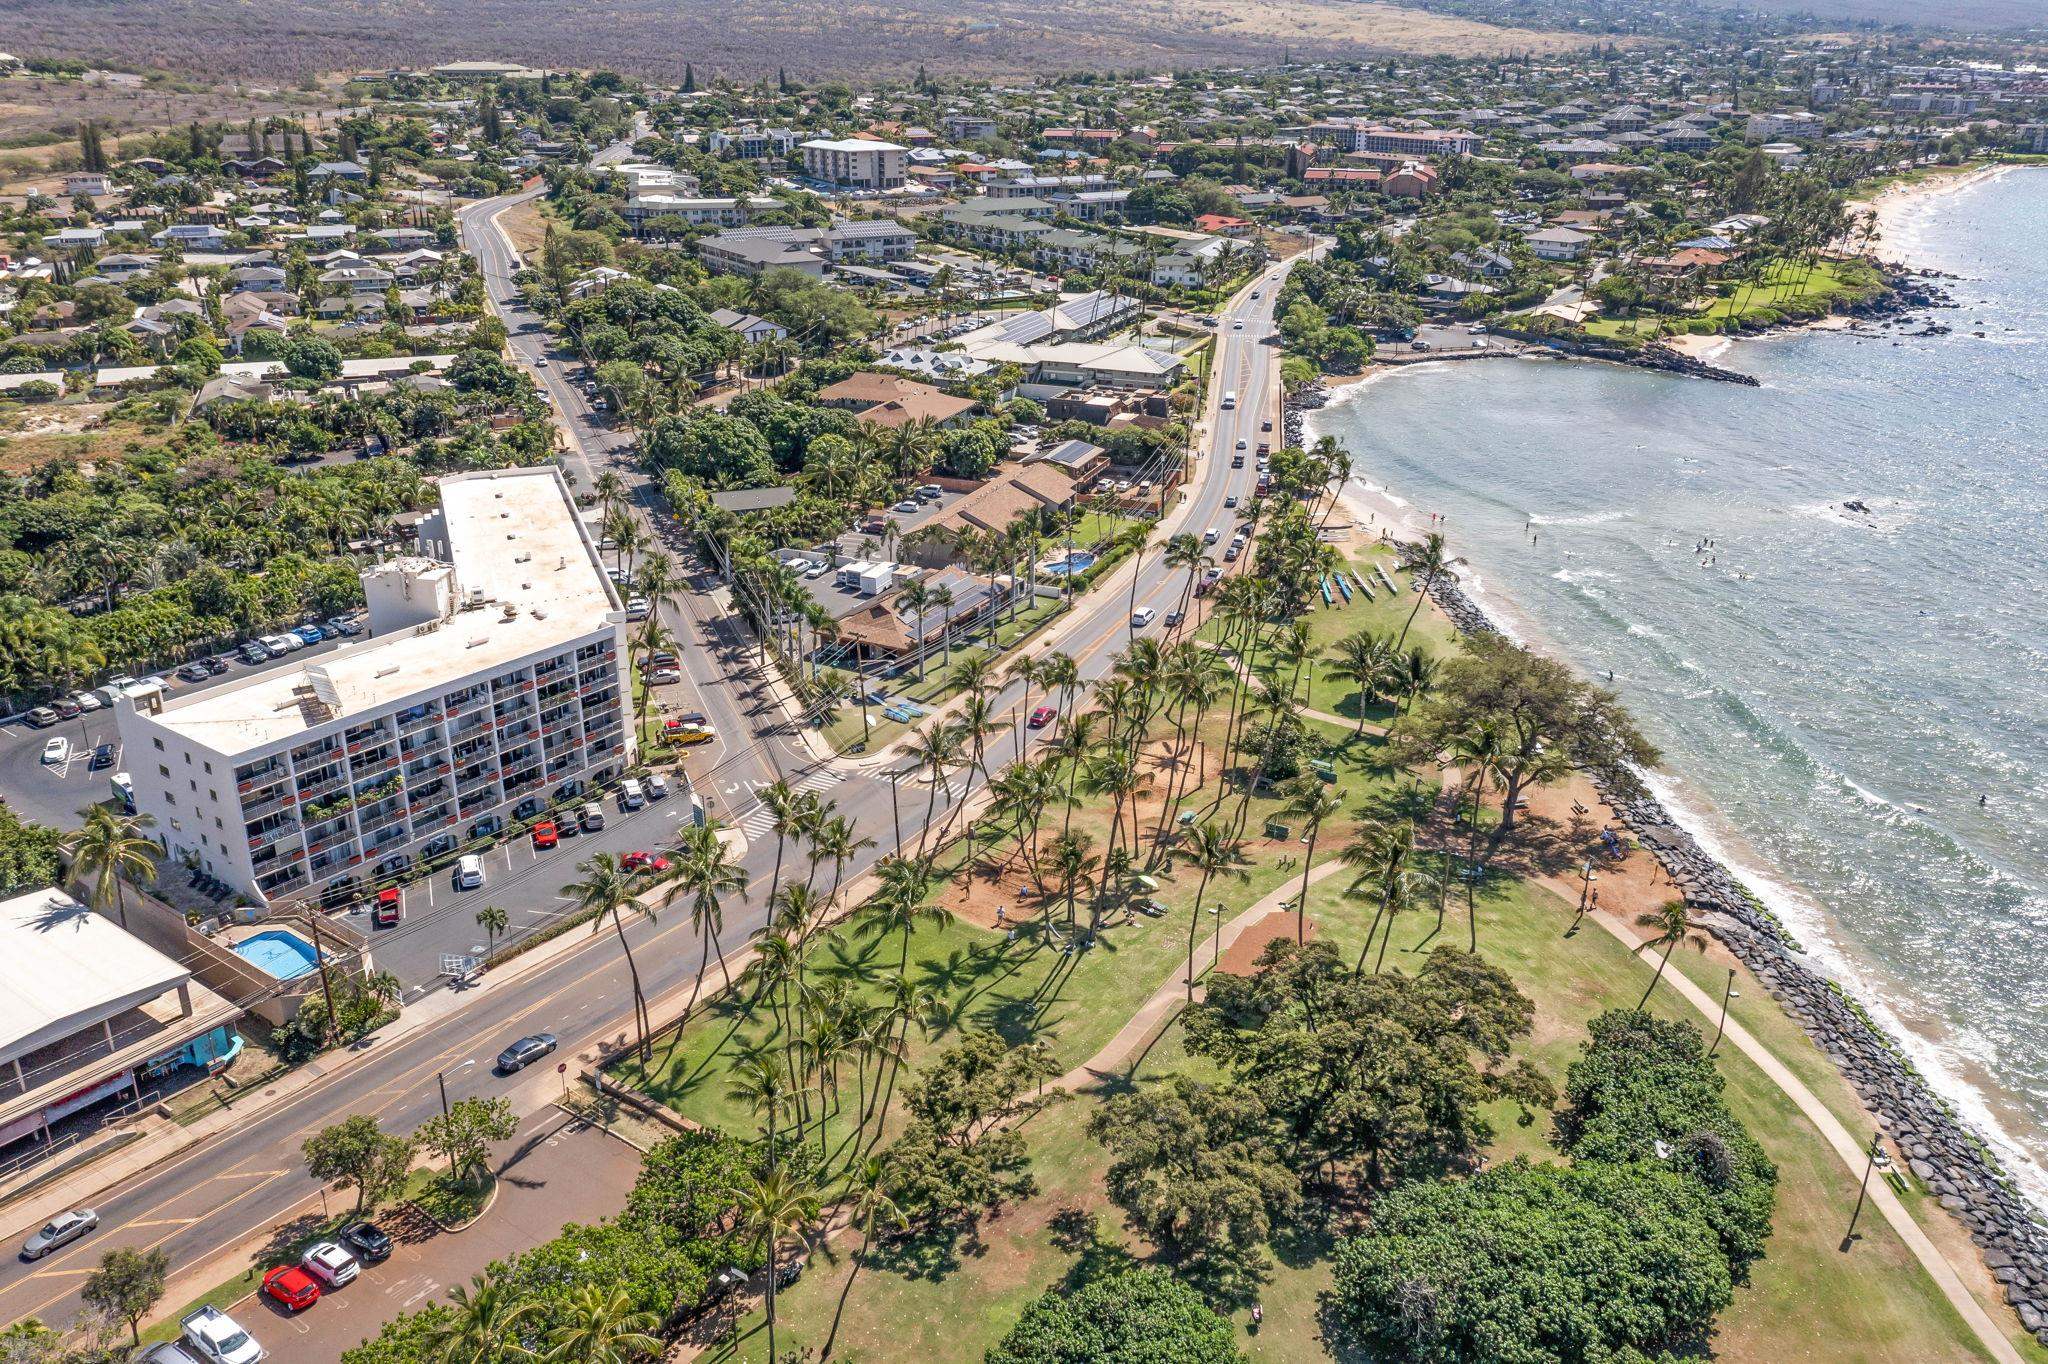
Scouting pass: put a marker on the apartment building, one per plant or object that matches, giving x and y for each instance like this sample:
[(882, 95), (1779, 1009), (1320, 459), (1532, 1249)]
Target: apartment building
[(644, 208), (855, 163), (493, 677), (1358, 135)]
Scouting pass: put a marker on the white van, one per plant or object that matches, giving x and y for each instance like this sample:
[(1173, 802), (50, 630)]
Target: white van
[(469, 872), (631, 794), (1211, 535), (1229, 399)]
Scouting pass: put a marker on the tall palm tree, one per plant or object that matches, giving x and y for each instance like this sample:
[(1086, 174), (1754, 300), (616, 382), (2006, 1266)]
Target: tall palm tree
[(483, 1328), (1381, 853), (1314, 802), (915, 598), (1362, 658), (603, 1328), (493, 921), (105, 850), (607, 891), (705, 871), (869, 1188), (1431, 560), (936, 750), (1073, 867), (1211, 851), (783, 805), (1673, 927), (773, 1205)]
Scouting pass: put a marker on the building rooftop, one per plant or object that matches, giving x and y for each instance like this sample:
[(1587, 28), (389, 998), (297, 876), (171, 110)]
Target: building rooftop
[(64, 968), (513, 536)]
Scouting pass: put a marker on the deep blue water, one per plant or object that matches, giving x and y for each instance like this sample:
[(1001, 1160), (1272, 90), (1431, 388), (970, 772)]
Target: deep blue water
[(1833, 690)]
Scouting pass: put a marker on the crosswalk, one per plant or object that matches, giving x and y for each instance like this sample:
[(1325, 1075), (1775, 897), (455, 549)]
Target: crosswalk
[(758, 820)]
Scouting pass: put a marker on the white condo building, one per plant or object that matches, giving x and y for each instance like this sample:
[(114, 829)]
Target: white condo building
[(493, 674), (854, 162)]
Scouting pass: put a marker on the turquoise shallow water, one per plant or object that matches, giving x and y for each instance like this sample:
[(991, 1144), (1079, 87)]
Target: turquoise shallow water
[(1834, 689)]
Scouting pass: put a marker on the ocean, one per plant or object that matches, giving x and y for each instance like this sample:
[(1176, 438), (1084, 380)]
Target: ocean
[(1825, 599)]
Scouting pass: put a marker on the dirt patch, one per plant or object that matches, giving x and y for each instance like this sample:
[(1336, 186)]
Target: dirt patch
[(1276, 926), (526, 226)]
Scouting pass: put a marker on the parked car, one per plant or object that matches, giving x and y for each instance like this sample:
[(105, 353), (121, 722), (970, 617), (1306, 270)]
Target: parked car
[(545, 834), (255, 651), (102, 756), (525, 1052), (66, 708), (341, 625), (292, 1286), (591, 817), (366, 1241), (644, 861), (662, 677), (312, 634), (469, 872), (657, 787), (195, 672), (59, 1231), (637, 608), (42, 717), (57, 751), (217, 1338), (86, 701), (280, 645), (908, 504), (632, 795), (330, 1264), (662, 658), (389, 908)]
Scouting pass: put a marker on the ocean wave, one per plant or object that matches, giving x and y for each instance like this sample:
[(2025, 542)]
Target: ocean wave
[(1599, 518)]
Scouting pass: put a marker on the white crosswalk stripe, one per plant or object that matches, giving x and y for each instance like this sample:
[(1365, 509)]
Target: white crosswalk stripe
[(824, 779)]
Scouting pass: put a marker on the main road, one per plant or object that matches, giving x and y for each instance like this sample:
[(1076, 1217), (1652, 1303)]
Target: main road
[(228, 1190)]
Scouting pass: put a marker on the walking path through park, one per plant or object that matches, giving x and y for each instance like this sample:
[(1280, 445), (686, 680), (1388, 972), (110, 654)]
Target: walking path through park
[(1155, 1013)]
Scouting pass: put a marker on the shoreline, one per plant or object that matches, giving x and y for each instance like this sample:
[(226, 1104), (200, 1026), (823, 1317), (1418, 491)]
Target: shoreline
[(1894, 202)]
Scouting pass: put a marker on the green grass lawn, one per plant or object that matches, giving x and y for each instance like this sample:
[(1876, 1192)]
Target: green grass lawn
[(1785, 287)]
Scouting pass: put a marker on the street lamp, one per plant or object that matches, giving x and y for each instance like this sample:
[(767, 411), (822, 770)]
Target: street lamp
[(1215, 937)]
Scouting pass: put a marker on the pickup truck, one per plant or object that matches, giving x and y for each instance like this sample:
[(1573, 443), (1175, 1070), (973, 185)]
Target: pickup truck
[(215, 1337)]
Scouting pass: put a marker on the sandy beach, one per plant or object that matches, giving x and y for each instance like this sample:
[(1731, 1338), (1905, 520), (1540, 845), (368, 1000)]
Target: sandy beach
[(1896, 204)]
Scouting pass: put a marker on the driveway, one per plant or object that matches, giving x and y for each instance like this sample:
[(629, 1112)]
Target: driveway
[(555, 1170)]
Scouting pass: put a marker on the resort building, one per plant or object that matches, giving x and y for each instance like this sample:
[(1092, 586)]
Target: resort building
[(90, 1014), (854, 163), (492, 680)]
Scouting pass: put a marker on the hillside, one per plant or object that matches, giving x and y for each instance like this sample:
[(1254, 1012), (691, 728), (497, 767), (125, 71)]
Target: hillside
[(811, 38)]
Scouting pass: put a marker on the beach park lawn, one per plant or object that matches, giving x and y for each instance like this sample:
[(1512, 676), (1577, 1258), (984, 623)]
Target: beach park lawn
[(1787, 288)]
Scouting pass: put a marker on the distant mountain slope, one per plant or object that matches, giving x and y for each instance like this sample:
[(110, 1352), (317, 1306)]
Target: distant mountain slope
[(239, 38)]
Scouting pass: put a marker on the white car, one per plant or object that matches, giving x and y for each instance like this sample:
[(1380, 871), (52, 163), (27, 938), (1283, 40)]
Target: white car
[(85, 700), (57, 751), (330, 1264), (469, 872), (1142, 617), (540, 361), (279, 645), (1237, 326), (218, 1339)]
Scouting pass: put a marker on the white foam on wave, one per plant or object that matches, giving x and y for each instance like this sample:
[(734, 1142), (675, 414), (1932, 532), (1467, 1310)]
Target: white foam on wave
[(1936, 1058), (1599, 518)]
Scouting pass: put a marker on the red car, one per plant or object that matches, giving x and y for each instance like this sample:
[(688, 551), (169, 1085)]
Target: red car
[(389, 909), (644, 861), (292, 1286), (1042, 717), (545, 835)]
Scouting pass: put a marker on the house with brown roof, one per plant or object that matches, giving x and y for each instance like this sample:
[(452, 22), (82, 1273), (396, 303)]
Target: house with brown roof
[(938, 408), (858, 392), (1008, 493)]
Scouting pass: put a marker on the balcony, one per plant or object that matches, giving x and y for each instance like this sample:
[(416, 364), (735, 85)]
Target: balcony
[(264, 837), (253, 810), (264, 777), (424, 717)]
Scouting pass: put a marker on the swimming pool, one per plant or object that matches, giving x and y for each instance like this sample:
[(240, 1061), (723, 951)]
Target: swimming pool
[(1080, 561), (278, 952)]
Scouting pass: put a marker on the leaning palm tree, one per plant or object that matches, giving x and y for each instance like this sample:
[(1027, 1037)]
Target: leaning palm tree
[(1314, 802), (606, 892), (483, 1328), (1211, 851), (1673, 927), (773, 1205), (104, 850), (1382, 853), (1431, 560), (869, 1186), (603, 1327), (705, 871), (936, 751)]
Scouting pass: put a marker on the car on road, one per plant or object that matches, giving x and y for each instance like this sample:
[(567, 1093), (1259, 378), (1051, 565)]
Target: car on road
[(469, 872), (1142, 617), (57, 751), (1237, 326), (330, 1264), (366, 1241), (59, 1231), (1041, 717), (644, 861), (1242, 445), (1230, 501), (1174, 618), (389, 907), (292, 1286), (1265, 426), (525, 1052), (42, 717), (1255, 293), (540, 361), (545, 834), (591, 817), (1212, 535), (102, 756)]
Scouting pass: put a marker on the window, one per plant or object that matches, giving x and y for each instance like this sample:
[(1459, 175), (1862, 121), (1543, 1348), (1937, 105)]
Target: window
[(209, 768), (163, 771), (159, 744)]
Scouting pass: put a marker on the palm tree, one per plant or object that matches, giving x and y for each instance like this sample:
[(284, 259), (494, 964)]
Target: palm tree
[(1361, 658), (483, 1326), (1073, 866), (1430, 559), (105, 849), (773, 1205), (1026, 670), (914, 598), (606, 891), (937, 751), (1315, 803), (603, 1328), (1381, 853), (493, 921), (1673, 927), (784, 805), (869, 1185), (705, 871), (1211, 851)]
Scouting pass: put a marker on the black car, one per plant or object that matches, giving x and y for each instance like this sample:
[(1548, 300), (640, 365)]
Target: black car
[(195, 672), (569, 789), (394, 864), (102, 756), (525, 1052), (367, 1242), (1174, 618), (440, 843), (487, 826)]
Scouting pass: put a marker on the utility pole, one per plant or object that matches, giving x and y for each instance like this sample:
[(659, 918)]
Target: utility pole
[(1862, 1190), (320, 960)]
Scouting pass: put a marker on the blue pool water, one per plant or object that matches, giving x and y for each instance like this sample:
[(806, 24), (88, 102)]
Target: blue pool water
[(1078, 562), (278, 952)]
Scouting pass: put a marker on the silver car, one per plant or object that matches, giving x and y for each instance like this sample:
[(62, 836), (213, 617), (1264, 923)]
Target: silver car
[(59, 1231)]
